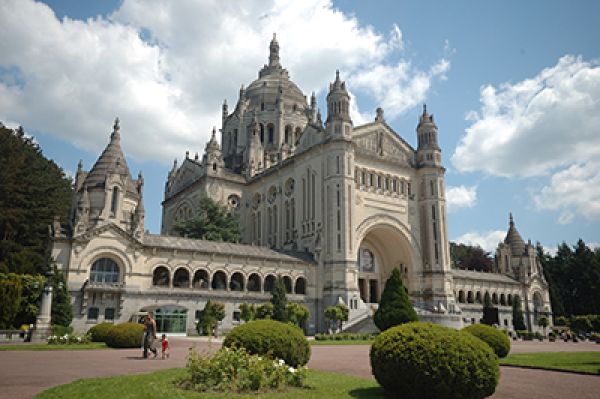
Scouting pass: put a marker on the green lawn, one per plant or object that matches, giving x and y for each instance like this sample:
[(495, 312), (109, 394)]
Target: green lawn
[(161, 384), (47, 347), (342, 342), (588, 362)]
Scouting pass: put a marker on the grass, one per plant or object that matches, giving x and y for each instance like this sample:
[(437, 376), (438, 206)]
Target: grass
[(342, 342), (162, 384), (587, 362), (47, 347)]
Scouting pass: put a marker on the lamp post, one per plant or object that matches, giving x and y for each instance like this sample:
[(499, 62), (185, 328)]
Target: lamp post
[(43, 327)]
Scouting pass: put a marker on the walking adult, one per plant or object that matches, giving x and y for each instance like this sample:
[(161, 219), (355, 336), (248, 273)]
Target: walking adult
[(149, 335)]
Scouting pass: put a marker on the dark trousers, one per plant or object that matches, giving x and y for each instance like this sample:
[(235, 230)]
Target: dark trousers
[(148, 341)]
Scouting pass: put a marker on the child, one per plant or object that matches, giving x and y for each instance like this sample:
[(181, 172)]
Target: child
[(165, 346)]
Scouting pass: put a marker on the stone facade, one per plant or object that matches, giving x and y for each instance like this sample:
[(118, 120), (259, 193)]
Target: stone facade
[(332, 207)]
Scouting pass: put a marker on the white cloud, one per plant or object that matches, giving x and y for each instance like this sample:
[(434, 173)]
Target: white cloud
[(165, 67), (461, 197), (530, 127), (488, 240), (573, 190)]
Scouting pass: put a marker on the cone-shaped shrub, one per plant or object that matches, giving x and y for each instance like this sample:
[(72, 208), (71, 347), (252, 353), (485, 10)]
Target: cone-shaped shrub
[(496, 339), (424, 360), (395, 307)]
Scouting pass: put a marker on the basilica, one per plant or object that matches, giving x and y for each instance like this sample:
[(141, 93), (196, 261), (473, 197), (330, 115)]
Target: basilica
[(330, 207)]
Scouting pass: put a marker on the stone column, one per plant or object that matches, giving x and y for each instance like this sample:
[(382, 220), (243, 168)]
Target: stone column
[(42, 325)]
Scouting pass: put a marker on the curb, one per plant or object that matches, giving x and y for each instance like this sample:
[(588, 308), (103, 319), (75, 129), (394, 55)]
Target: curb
[(588, 373)]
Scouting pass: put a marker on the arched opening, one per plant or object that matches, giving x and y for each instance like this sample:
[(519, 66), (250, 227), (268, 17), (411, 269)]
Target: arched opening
[(237, 282), (262, 133), (470, 297), (538, 307), (103, 271), (509, 299), (161, 277), (478, 297), (219, 281), (269, 283), (300, 287), (270, 132), (383, 249), (287, 134), (502, 300), (200, 279), (495, 298), (461, 296), (114, 203), (287, 283), (181, 278), (254, 283)]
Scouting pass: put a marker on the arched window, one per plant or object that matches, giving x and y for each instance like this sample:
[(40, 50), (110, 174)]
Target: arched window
[(502, 300), (200, 279), (161, 277), (237, 282), (287, 282), (254, 283), (495, 298), (300, 287), (104, 270), (461, 296), (288, 134), (262, 133), (478, 297), (270, 132), (219, 281), (470, 297), (509, 299), (114, 201), (181, 278), (269, 283)]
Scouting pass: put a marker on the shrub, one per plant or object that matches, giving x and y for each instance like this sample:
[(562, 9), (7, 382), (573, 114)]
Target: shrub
[(496, 339), (68, 339), (99, 332), (235, 370), (270, 337), (424, 360), (125, 335), (395, 307), (61, 330), (210, 317), (595, 338)]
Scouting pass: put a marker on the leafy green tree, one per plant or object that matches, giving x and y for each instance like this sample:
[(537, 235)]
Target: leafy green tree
[(543, 322), (297, 314), (247, 312), (336, 315), (11, 291), (264, 311), (279, 300), (561, 321), (395, 307), (33, 286), (581, 324), (33, 190), (490, 313), (213, 222), (470, 257), (210, 317), (517, 314), (62, 310)]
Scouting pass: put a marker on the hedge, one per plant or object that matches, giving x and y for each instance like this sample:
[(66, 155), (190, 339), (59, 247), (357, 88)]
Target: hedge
[(99, 333), (496, 339), (125, 335)]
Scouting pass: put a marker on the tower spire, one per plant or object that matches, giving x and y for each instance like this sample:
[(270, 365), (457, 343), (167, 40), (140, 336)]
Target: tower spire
[(116, 130), (274, 53)]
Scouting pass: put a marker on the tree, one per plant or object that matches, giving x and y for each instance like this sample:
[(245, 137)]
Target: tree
[(336, 315), (247, 312), (279, 300), (543, 322), (581, 324), (517, 314), (490, 313), (297, 314), (470, 257), (62, 310), (33, 190), (213, 222), (210, 317), (11, 290), (395, 307), (264, 311)]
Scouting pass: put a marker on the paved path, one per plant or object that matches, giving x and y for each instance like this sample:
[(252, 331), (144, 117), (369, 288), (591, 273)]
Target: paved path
[(26, 373)]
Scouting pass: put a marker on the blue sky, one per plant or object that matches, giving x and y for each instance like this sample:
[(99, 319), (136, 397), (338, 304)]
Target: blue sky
[(514, 87)]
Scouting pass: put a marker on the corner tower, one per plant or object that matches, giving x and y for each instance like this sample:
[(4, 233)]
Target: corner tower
[(338, 124)]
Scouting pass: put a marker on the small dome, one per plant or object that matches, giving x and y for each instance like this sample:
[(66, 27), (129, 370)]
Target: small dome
[(513, 239)]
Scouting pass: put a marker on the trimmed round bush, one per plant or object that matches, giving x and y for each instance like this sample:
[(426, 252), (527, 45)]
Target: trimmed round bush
[(424, 360), (99, 332), (496, 339), (270, 337), (125, 335)]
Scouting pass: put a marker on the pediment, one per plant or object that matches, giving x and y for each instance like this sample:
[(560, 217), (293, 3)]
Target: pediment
[(107, 230), (378, 139), (188, 173)]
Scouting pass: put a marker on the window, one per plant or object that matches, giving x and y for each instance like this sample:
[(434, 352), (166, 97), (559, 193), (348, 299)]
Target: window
[(114, 201), (92, 314), (104, 270), (109, 314), (236, 315)]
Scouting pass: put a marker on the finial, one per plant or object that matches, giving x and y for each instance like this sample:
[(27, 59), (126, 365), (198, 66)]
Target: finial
[(214, 133), (140, 175), (175, 163), (337, 74), (274, 37), (510, 217), (187, 155), (80, 165), (225, 103), (196, 157), (116, 126), (424, 109)]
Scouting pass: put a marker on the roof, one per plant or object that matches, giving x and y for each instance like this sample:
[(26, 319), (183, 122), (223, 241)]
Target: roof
[(513, 239), (224, 248), (473, 275), (111, 160)]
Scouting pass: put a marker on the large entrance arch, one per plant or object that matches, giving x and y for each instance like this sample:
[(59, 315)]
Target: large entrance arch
[(382, 249)]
